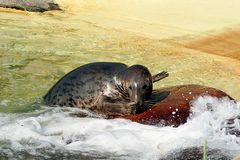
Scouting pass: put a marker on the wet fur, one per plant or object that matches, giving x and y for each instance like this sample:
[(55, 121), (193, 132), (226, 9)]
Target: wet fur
[(102, 87)]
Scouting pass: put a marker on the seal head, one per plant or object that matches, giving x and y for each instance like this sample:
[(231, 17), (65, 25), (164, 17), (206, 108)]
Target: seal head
[(136, 80)]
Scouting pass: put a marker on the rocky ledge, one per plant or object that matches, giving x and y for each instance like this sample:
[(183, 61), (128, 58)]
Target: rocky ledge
[(30, 5)]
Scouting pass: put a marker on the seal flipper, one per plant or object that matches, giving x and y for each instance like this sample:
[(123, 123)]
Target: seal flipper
[(116, 107), (159, 76)]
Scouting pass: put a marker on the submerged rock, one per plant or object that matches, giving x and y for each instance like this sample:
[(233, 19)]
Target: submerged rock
[(196, 153), (172, 104), (30, 5), (231, 126)]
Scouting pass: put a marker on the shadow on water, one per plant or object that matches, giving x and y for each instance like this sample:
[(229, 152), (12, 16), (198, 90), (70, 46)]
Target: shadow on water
[(157, 96)]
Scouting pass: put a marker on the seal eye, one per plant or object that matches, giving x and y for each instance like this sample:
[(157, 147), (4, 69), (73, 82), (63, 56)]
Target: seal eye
[(144, 87), (130, 87)]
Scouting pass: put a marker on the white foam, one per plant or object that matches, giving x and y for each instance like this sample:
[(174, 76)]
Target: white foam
[(4, 102), (57, 128)]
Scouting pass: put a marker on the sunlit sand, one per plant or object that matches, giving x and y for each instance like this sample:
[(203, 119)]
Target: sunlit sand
[(205, 27)]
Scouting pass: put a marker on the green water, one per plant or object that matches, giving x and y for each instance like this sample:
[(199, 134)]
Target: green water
[(37, 49)]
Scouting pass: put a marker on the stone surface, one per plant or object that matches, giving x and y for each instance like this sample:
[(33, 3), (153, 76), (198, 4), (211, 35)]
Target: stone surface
[(196, 153), (30, 5)]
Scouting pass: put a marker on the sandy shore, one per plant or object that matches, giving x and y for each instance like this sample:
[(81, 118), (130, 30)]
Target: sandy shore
[(159, 18), (224, 44), (211, 27), (208, 26)]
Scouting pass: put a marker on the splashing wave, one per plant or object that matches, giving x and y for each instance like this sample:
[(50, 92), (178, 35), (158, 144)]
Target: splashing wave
[(55, 132)]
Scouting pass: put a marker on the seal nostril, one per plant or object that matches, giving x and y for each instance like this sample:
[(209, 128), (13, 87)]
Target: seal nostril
[(130, 87)]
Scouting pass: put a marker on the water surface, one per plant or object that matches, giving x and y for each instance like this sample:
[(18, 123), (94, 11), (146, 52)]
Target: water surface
[(37, 49)]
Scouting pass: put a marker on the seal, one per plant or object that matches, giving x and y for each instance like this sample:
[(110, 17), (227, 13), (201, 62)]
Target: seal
[(106, 87)]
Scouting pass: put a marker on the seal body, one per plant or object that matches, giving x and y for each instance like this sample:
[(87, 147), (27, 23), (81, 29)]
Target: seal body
[(111, 88)]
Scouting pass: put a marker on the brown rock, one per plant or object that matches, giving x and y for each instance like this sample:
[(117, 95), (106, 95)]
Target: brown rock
[(173, 104)]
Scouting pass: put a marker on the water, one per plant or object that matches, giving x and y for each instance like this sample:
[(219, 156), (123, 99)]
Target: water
[(55, 132), (37, 49)]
